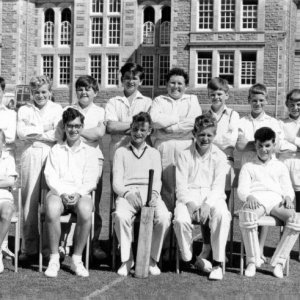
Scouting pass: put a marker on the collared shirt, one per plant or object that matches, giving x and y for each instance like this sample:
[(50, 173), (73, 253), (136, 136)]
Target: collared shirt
[(227, 130), (256, 176), (7, 168), (31, 120), (8, 123), (174, 119), (130, 169), (194, 171), (72, 170), (120, 110)]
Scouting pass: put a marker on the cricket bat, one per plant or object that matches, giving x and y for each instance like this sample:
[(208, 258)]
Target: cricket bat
[(145, 235)]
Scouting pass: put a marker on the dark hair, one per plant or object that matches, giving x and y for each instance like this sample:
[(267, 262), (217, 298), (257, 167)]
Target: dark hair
[(258, 89), (218, 83), (2, 83), (289, 96), (87, 81), (204, 121), (71, 114), (178, 72), (141, 117), (134, 69), (264, 134)]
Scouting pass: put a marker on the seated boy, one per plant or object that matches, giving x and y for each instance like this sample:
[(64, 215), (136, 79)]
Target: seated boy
[(71, 173), (8, 177), (131, 166), (200, 183), (266, 189)]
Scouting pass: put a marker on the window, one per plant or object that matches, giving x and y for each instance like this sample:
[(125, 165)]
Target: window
[(64, 69), (48, 66), (148, 27), (165, 26), (65, 30), (115, 6), (49, 27), (148, 65), (205, 14), (249, 14), (97, 6), (97, 30), (248, 69), (164, 67), (227, 14), (96, 67), (114, 30), (204, 72), (226, 67), (113, 68)]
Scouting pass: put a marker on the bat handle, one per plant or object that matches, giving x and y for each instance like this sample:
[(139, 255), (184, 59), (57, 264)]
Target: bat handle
[(150, 184)]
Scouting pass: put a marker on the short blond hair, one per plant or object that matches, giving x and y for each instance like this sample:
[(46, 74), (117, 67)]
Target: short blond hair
[(37, 81)]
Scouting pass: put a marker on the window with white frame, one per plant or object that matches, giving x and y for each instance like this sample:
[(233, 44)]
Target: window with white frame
[(148, 65), (148, 26), (48, 65), (96, 67), (164, 68), (64, 69), (248, 68), (115, 6), (205, 14), (114, 31), (226, 67), (112, 69), (249, 16), (66, 27), (49, 27), (204, 67), (96, 30), (97, 6), (165, 26), (227, 14)]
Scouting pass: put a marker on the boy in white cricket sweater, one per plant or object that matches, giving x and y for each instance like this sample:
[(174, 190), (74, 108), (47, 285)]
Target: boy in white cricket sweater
[(131, 166)]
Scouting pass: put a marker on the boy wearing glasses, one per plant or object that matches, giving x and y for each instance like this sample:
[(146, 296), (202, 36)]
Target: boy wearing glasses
[(71, 173)]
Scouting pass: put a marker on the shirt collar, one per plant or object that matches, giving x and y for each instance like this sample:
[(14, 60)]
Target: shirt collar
[(81, 146), (293, 120), (259, 162), (261, 117), (184, 97), (225, 110), (197, 155), (141, 148), (125, 100)]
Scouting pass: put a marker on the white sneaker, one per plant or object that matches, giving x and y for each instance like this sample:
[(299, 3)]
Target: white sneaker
[(7, 254), (79, 269), (278, 271), (125, 268), (203, 265), (216, 273), (1, 263), (154, 269), (250, 270), (205, 252), (53, 268)]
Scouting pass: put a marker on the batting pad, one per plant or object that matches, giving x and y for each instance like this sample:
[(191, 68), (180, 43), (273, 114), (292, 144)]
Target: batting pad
[(248, 225)]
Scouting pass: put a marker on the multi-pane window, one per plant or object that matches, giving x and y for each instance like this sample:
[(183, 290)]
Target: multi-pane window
[(227, 14), (114, 30), (165, 29), (249, 18), (49, 27), (226, 67), (66, 28), (148, 65), (204, 72), (96, 30), (96, 67), (48, 66), (248, 68), (64, 69), (205, 14), (97, 6), (148, 26), (112, 69), (164, 67), (115, 6)]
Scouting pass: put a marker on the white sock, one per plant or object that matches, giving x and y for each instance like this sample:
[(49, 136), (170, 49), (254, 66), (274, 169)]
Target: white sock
[(4, 244), (54, 256), (76, 258)]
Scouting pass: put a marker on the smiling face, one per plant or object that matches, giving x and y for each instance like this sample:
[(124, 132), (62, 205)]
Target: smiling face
[(293, 105), (257, 103), (41, 95), (139, 133), (204, 138), (73, 130), (131, 83), (85, 95), (218, 99), (176, 86), (265, 149)]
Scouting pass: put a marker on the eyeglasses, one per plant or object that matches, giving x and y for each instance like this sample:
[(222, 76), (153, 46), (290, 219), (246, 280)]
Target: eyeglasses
[(75, 126)]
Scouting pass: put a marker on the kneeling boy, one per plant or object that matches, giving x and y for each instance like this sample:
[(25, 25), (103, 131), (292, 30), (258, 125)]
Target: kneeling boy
[(200, 183), (71, 173), (266, 189), (131, 166)]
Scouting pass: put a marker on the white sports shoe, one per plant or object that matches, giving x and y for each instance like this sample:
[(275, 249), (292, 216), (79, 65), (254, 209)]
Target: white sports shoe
[(203, 264), (278, 271), (79, 269), (153, 268), (7, 254), (250, 270), (216, 273), (53, 268), (205, 252), (1, 263), (125, 268)]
